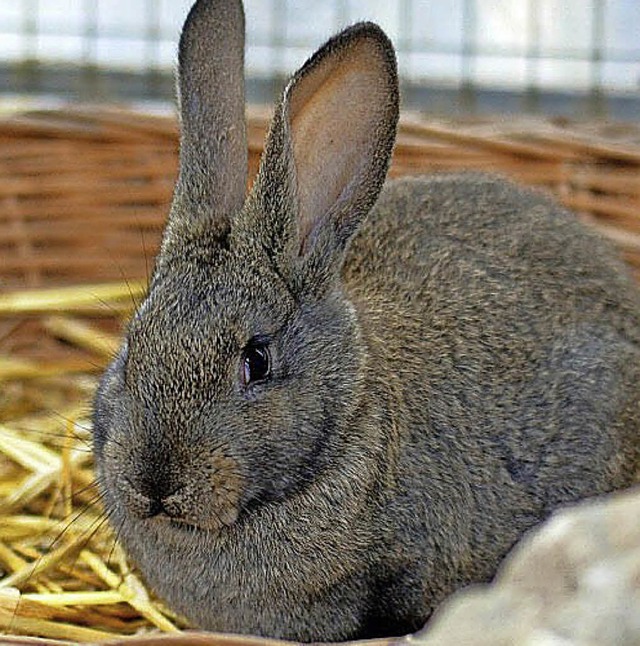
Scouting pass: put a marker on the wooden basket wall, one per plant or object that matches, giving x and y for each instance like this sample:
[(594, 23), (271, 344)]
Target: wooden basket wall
[(84, 193)]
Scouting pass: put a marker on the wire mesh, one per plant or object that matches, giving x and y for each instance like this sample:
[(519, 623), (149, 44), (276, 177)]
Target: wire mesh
[(538, 48)]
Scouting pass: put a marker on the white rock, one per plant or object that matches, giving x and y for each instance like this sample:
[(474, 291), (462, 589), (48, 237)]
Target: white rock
[(574, 581)]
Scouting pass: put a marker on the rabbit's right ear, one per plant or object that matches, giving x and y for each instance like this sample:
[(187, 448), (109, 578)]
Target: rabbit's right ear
[(326, 156), (212, 175)]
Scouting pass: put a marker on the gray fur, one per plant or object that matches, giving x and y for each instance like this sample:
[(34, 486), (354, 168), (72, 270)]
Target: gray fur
[(213, 152), (448, 367)]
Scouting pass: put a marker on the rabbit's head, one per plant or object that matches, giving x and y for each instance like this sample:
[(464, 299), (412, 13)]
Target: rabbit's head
[(241, 370)]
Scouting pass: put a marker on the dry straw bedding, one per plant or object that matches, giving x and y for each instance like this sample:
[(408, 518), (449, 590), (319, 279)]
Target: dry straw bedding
[(83, 194)]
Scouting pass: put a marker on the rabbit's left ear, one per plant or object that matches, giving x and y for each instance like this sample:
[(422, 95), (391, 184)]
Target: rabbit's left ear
[(327, 153)]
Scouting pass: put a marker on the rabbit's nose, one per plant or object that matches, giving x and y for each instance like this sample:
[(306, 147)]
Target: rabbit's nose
[(147, 500)]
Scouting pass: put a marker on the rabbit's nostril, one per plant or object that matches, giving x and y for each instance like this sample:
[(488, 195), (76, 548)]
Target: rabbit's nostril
[(155, 508), (171, 504)]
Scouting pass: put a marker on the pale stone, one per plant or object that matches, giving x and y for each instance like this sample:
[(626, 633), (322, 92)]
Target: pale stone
[(574, 581)]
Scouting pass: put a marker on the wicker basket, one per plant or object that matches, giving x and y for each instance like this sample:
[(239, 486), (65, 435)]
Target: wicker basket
[(83, 198), (84, 193)]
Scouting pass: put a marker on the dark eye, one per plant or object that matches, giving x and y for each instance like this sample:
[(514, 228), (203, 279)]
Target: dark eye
[(256, 363)]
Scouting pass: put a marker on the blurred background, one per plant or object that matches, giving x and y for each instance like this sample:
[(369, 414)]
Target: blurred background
[(574, 58)]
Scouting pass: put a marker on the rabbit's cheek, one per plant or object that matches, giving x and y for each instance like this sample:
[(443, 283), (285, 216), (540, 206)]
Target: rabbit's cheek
[(105, 404)]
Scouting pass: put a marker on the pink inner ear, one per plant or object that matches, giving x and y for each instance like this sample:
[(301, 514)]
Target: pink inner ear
[(335, 113)]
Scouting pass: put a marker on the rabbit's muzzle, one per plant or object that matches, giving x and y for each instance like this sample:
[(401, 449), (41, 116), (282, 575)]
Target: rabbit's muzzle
[(205, 496)]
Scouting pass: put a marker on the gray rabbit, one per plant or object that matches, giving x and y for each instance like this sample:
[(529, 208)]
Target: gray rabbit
[(340, 401)]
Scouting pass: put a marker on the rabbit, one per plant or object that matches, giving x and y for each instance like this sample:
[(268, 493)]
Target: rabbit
[(341, 399)]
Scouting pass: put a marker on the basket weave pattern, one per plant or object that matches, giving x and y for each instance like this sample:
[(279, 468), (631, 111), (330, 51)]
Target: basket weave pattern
[(84, 193)]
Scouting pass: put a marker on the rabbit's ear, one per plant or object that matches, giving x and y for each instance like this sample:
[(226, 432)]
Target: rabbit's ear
[(327, 153), (212, 176)]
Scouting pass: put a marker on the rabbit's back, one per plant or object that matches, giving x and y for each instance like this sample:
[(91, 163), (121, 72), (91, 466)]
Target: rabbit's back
[(505, 307), (466, 237), (509, 339)]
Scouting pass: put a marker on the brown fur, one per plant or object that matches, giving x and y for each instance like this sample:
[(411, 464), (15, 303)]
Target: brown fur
[(447, 367)]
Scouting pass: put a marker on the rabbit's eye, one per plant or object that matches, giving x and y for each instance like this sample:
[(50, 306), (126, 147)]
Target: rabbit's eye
[(256, 363)]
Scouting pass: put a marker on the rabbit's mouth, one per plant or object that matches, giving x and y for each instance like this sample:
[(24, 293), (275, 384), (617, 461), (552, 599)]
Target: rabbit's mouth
[(181, 524), (215, 521)]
